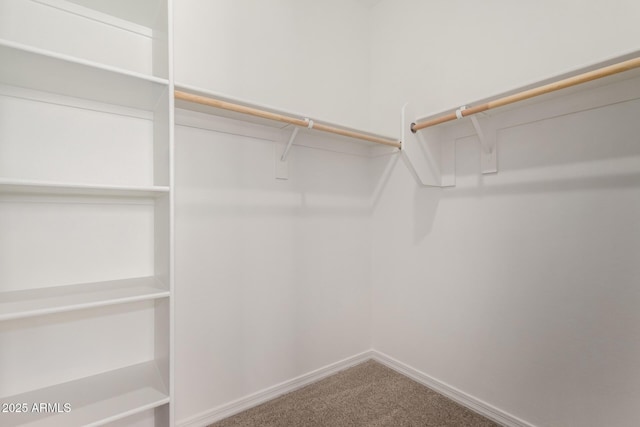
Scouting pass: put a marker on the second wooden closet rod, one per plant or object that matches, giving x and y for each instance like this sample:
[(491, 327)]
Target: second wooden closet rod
[(541, 90), (212, 102)]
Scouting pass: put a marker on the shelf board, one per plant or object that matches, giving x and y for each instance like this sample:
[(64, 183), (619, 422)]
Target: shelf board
[(46, 71), (140, 12), (94, 400), (38, 302), (19, 186)]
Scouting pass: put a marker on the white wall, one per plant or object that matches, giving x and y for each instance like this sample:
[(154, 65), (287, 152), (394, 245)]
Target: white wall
[(519, 288), (516, 288), (274, 276), (306, 56)]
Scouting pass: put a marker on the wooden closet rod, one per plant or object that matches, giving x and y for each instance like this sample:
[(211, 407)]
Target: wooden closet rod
[(212, 102), (541, 90)]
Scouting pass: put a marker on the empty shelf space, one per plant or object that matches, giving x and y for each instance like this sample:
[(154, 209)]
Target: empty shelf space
[(18, 186), (37, 302), (92, 401), (46, 71)]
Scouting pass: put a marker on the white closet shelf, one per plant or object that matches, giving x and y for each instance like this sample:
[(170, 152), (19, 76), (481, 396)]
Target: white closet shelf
[(94, 400), (42, 301), (46, 71), (19, 186)]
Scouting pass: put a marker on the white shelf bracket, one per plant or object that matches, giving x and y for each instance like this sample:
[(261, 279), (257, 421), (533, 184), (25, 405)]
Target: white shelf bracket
[(282, 165), (488, 146), (292, 138), (285, 153)]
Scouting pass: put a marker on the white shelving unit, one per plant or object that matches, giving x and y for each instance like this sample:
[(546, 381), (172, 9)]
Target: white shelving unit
[(86, 211)]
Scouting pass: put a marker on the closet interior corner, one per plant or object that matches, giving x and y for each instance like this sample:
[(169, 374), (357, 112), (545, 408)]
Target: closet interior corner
[(207, 206)]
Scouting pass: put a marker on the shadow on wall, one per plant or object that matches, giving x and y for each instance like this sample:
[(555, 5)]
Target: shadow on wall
[(383, 172), (425, 205), (586, 151), (233, 176), (425, 199), (631, 180), (593, 149)]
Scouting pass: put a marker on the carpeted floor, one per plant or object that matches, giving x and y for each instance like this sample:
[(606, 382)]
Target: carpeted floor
[(368, 394)]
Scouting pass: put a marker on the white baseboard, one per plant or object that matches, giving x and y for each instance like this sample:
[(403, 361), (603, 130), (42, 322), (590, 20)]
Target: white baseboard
[(223, 411), (473, 403), (216, 414)]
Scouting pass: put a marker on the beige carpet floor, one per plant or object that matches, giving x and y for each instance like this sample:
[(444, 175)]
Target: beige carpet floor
[(368, 394)]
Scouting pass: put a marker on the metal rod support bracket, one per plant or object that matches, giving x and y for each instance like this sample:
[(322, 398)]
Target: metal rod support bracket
[(292, 138), (285, 153)]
